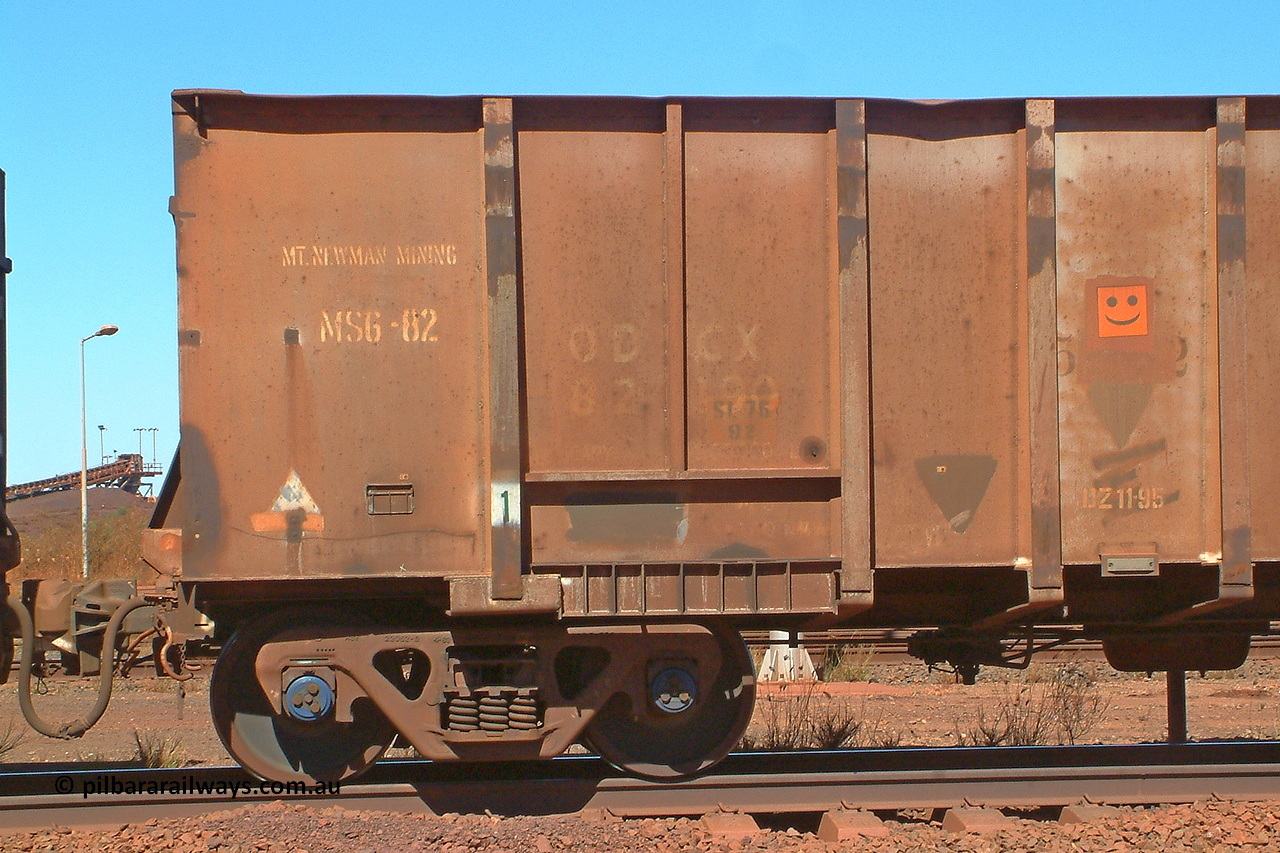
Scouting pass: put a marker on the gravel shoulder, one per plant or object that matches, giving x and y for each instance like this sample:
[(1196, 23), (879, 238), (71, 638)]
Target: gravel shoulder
[(294, 828)]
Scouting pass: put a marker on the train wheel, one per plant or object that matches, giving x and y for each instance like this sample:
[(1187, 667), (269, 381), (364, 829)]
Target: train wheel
[(278, 747), (674, 732)]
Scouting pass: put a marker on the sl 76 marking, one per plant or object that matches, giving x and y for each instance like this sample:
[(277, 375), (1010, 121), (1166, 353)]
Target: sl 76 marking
[(744, 417), (354, 326)]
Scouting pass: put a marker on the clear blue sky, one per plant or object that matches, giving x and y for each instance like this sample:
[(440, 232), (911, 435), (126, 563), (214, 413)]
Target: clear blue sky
[(85, 124)]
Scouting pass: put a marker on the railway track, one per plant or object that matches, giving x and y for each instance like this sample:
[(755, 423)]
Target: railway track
[(876, 646), (872, 646), (883, 647), (752, 783)]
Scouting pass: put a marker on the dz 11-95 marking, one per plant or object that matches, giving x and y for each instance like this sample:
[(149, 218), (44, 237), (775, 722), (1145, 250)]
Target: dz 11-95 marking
[(1127, 498), (416, 326)]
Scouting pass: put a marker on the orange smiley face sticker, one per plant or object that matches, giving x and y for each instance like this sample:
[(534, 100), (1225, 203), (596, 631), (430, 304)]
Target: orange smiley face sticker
[(1122, 311)]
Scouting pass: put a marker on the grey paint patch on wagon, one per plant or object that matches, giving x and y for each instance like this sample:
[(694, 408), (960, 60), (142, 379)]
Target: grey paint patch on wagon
[(738, 551), (1120, 406), (628, 523), (957, 485)]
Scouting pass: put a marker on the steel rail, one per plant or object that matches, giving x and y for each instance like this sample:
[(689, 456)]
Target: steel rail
[(886, 647), (879, 648), (873, 647), (759, 783)]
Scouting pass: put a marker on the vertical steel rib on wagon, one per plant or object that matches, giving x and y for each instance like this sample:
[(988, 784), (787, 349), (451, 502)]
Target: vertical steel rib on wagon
[(1262, 303)]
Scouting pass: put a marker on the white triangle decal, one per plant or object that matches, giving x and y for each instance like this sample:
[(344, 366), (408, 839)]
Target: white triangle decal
[(294, 495)]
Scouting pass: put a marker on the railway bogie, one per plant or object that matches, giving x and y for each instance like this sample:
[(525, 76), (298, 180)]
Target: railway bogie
[(315, 694)]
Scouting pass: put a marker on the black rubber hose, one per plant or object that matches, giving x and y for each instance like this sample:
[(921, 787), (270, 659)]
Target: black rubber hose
[(66, 731)]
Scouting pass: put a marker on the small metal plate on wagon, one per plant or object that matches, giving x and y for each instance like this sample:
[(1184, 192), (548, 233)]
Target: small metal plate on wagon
[(1129, 565)]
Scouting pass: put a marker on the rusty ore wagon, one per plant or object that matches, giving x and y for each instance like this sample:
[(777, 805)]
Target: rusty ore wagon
[(502, 417)]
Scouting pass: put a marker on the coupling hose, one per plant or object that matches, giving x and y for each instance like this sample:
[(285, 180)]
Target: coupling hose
[(66, 731)]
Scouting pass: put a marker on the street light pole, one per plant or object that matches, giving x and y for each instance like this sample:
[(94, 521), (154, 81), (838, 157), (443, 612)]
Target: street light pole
[(84, 456)]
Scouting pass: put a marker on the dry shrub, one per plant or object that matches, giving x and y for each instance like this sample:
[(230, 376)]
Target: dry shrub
[(1077, 701), (805, 721), (1019, 719), (158, 750), (785, 724), (847, 663), (1059, 709), (10, 736), (834, 727)]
